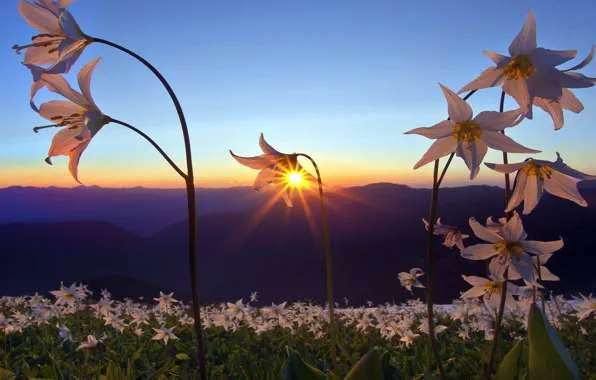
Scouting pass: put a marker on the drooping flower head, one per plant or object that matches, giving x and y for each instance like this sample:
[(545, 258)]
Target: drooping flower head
[(276, 169), (469, 138), (409, 280), (530, 71), (509, 249), (452, 235), (60, 43), (80, 116), (535, 176)]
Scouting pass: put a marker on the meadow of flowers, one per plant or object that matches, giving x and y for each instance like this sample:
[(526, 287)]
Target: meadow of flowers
[(71, 336), (505, 326)]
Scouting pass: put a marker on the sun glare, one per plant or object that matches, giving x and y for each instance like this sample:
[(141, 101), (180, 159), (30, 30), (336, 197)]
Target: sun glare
[(294, 178)]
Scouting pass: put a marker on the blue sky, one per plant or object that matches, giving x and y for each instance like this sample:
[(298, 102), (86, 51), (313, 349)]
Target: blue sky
[(339, 80)]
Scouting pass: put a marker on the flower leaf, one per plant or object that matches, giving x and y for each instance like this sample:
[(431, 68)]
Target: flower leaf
[(510, 365), (548, 357), (369, 367), (294, 368)]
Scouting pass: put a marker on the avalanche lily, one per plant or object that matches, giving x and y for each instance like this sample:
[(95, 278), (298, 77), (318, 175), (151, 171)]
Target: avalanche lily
[(509, 249), (89, 343), (490, 290), (80, 116), (164, 334), (452, 235), (408, 338), (535, 176), (276, 169), (530, 72), (408, 280), (469, 138)]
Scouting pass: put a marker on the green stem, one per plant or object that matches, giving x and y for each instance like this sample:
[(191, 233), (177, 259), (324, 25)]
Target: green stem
[(5, 350), (192, 208), (329, 265), (495, 342)]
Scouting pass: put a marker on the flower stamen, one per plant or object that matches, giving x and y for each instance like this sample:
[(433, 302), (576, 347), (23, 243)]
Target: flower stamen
[(520, 67), (466, 131)]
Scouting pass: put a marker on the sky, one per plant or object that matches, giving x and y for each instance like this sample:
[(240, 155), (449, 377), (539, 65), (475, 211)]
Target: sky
[(338, 80)]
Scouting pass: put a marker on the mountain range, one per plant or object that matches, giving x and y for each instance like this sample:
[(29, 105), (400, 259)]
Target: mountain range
[(133, 241)]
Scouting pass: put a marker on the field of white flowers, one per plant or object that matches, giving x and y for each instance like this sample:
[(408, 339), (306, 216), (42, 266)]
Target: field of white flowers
[(70, 336)]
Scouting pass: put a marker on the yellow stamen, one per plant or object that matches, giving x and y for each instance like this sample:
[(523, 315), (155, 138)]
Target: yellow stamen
[(520, 67), (507, 249), (534, 169), (493, 287), (466, 131)]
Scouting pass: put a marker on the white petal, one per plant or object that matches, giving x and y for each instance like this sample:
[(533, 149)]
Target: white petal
[(518, 90), (560, 166), (585, 62), (84, 78), (69, 26), (519, 191), (476, 291), (547, 275), (573, 80), (66, 140), (438, 149), (498, 141), (493, 300), (265, 177), (483, 233), (490, 77), (570, 102), (59, 85), (542, 259), (459, 110), (479, 252), (563, 187), (50, 110), (257, 162), (35, 87), (524, 266), (539, 247), (265, 147), (64, 3), (525, 41), (475, 280), (287, 198), (554, 109), (506, 168), (75, 158), (40, 55), (437, 131), (472, 152), (546, 57), (497, 121), (513, 230), (532, 193), (499, 59), (38, 17)]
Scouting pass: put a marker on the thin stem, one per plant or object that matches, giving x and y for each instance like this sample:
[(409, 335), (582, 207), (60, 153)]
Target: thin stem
[(168, 159), (445, 169), (493, 351), (5, 350), (506, 161), (430, 271), (192, 208), (329, 264)]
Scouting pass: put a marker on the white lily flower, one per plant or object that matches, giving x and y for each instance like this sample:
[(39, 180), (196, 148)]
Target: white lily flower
[(166, 299), (585, 307), (490, 290), (164, 334), (464, 333), (275, 311), (438, 329), (510, 248), (64, 333), (254, 297), (409, 280), (452, 235), (495, 226), (470, 138), (80, 116), (276, 169), (530, 72), (67, 295), (408, 338), (535, 176), (89, 343)]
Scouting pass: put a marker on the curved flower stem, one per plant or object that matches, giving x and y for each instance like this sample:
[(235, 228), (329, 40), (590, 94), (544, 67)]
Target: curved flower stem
[(192, 208), (509, 215), (146, 137), (329, 264)]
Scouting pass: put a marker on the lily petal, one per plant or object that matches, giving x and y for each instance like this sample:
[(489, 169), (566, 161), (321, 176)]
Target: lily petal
[(265, 147), (564, 187), (490, 77), (459, 110), (540, 247), (472, 152), (499, 141), (506, 168), (525, 41), (482, 232), (497, 121), (437, 131), (479, 252), (513, 230), (84, 79), (438, 149)]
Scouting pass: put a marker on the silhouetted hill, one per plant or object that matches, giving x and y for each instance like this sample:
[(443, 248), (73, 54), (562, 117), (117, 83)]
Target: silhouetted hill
[(376, 232)]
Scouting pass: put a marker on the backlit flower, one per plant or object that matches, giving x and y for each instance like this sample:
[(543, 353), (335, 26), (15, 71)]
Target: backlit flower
[(79, 116), (164, 334), (585, 307), (409, 280), (452, 235), (276, 169), (535, 176), (490, 290), (529, 72), (408, 337), (509, 249), (469, 138)]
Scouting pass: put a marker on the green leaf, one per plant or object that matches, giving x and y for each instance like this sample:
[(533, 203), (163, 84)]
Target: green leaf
[(369, 367), (294, 368), (332, 376), (548, 357), (389, 371), (57, 371), (510, 365), (137, 354), (5, 374), (182, 356)]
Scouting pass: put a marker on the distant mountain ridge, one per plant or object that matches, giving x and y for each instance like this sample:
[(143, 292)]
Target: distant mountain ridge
[(376, 232)]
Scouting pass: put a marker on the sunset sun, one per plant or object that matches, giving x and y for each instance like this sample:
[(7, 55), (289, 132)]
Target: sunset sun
[(294, 178)]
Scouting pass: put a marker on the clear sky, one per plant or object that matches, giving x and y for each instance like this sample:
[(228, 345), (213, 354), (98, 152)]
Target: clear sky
[(338, 80)]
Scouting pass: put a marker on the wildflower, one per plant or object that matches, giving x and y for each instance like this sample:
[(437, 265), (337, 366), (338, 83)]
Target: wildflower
[(585, 307), (5, 324), (165, 300), (408, 338), (424, 327), (89, 343), (66, 295), (464, 333), (490, 290), (253, 297), (164, 334), (277, 169), (80, 115), (470, 138), (64, 333), (452, 235), (364, 323), (236, 309), (275, 311), (510, 248), (102, 307), (409, 280), (529, 71), (535, 176), (138, 332), (495, 226)]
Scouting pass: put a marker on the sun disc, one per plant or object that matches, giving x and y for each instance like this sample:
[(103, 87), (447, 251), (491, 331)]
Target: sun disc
[(294, 178)]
